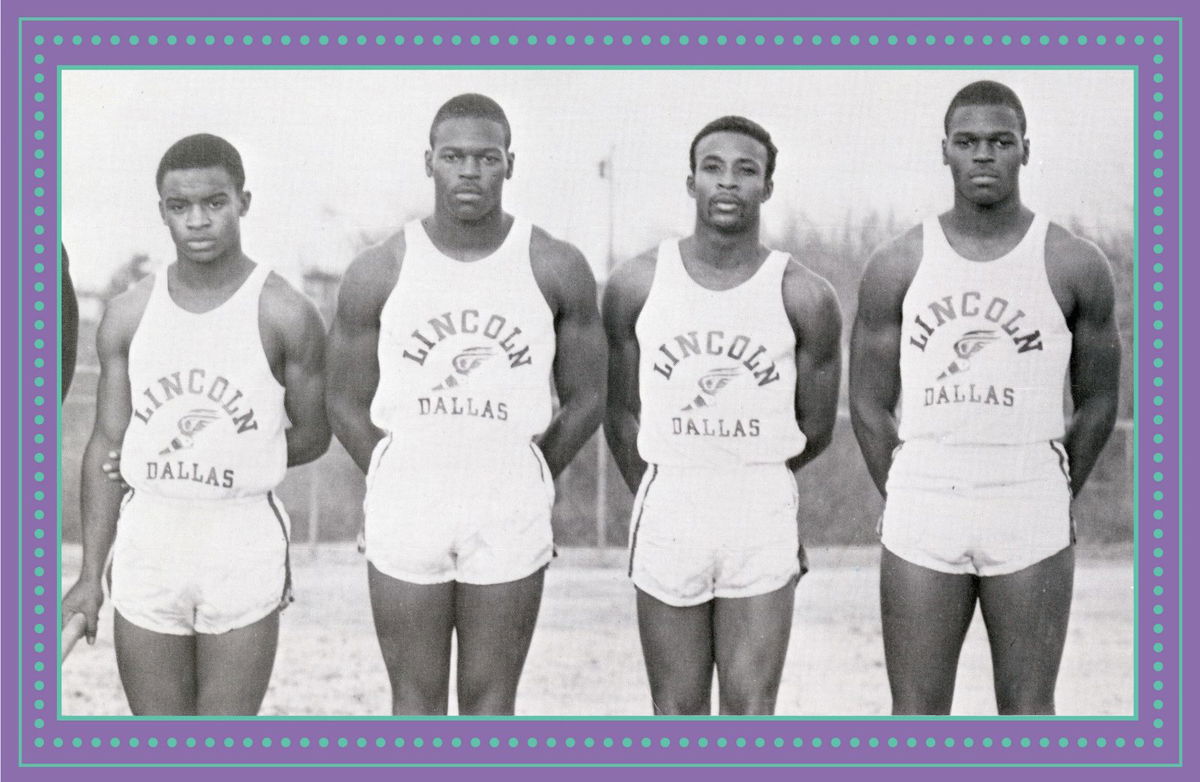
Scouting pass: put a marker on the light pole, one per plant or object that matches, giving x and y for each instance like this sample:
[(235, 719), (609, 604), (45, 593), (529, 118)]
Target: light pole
[(606, 173)]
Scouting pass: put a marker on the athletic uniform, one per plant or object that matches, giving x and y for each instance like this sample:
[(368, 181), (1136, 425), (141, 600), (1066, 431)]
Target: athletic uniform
[(457, 490), (715, 515), (980, 481), (201, 544)]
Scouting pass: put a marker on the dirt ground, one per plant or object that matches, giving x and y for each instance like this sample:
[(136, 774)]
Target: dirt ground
[(586, 659)]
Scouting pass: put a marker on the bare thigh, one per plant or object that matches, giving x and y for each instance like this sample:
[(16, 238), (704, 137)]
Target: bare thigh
[(1027, 614), (494, 625), (925, 614), (233, 669), (751, 637), (158, 670), (414, 623), (677, 645)]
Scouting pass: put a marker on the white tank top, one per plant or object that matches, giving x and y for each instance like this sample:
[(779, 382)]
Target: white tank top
[(717, 373), (465, 351), (208, 420), (984, 346)]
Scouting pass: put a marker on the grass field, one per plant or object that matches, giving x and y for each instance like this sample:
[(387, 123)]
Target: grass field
[(586, 659)]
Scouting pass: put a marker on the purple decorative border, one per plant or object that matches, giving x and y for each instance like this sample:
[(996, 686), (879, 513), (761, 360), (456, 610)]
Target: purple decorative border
[(31, 105)]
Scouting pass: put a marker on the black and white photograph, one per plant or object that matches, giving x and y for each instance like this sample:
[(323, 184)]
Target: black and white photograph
[(598, 392)]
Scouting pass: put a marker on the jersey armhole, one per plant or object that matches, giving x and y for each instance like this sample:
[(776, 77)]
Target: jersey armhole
[(159, 278), (654, 278), (781, 298), (922, 254), (521, 225), (262, 346), (1044, 248), (390, 247)]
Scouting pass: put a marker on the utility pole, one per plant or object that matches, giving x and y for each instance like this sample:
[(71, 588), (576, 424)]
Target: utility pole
[(606, 173)]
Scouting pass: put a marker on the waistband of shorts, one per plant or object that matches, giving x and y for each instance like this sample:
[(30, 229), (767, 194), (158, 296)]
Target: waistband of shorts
[(720, 470), (453, 455), (963, 448), (143, 496)]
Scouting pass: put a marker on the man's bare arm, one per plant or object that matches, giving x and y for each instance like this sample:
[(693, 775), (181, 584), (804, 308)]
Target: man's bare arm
[(875, 354), (579, 358), (302, 335), (1095, 357), (70, 325), (816, 318), (624, 298), (353, 364), (100, 501)]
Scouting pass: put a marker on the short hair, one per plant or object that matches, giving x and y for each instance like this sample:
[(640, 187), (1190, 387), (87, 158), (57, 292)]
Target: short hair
[(986, 93), (471, 104), (202, 150), (735, 124)]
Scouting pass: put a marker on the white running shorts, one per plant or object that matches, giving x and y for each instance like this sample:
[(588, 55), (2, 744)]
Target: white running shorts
[(986, 510), (182, 567), (704, 533)]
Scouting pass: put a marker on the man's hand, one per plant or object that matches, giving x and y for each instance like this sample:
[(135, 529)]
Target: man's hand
[(112, 469), (85, 599)]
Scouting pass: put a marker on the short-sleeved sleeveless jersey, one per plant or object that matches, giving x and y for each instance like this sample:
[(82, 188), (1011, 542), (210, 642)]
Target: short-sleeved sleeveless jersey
[(717, 372), (208, 420), (984, 347), (465, 350)]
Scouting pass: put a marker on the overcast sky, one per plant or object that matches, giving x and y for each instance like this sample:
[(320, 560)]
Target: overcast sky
[(332, 155)]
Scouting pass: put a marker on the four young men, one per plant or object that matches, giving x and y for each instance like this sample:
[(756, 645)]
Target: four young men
[(452, 340)]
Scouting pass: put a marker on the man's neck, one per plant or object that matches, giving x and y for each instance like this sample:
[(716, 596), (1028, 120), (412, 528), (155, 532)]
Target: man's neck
[(217, 274), (724, 250), (988, 219), (476, 236)]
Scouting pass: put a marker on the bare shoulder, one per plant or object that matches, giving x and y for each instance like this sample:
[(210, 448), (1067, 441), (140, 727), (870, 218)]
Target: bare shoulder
[(547, 251), (1075, 261), (287, 309), (379, 264), (123, 313), (894, 263), (809, 299), (561, 270), (370, 278), (804, 287), (631, 280), (889, 273)]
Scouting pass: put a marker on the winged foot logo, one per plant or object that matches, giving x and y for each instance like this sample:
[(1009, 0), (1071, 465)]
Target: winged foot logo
[(190, 424), (464, 363), (710, 384), (968, 345)]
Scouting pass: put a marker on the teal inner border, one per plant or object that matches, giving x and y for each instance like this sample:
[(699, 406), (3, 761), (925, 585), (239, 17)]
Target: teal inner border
[(650, 718), (602, 18), (21, 405)]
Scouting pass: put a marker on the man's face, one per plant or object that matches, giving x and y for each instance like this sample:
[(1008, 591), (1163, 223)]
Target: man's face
[(469, 164), (203, 210), (985, 150), (730, 182)]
